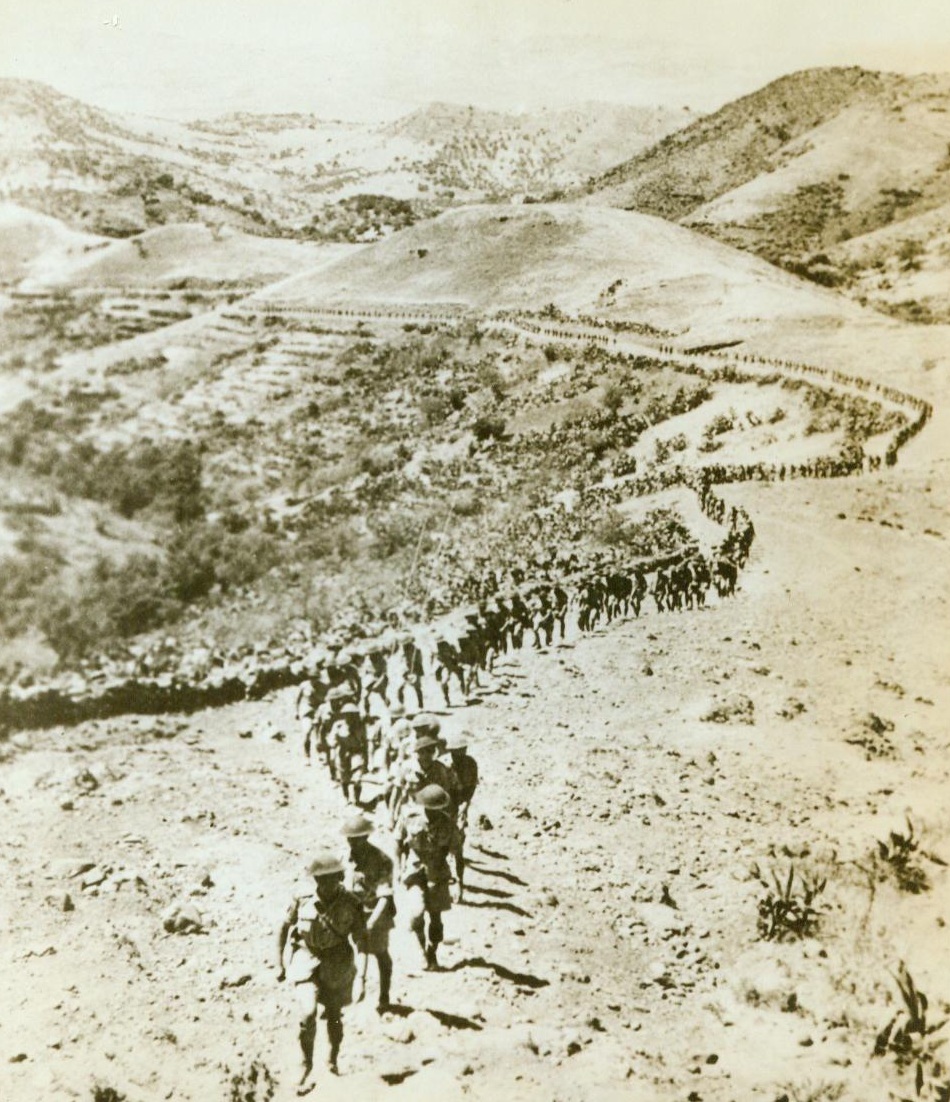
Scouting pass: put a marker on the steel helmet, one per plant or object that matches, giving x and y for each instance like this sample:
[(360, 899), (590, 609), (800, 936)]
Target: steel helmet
[(396, 711), (357, 825), (339, 692), (458, 741), (425, 721), (326, 863), (433, 798), (424, 740)]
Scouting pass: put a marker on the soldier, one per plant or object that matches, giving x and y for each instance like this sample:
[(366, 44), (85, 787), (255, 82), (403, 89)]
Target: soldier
[(428, 769), (348, 745), (342, 670), (427, 875), (413, 669), (311, 695), (465, 769), (318, 929), (371, 881), (378, 684), (324, 718)]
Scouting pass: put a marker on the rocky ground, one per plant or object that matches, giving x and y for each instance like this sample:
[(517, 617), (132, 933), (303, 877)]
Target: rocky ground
[(633, 780)]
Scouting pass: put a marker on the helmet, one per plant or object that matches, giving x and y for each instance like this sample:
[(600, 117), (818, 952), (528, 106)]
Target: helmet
[(426, 721), (326, 863), (396, 711), (424, 740), (349, 709), (339, 692), (458, 741), (357, 825), (433, 798)]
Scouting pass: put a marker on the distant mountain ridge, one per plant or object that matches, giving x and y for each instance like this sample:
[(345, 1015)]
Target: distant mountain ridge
[(799, 170), (294, 174)]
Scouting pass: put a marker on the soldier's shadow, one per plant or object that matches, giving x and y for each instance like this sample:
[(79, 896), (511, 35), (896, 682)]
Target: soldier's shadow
[(522, 979), (443, 1017), (496, 905)]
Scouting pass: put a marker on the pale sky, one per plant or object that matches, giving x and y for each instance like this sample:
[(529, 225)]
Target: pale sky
[(379, 58)]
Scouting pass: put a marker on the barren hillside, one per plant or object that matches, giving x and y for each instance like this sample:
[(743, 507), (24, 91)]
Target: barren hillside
[(812, 160)]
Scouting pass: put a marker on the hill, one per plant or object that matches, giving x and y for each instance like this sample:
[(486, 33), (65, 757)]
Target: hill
[(812, 160), (615, 264), (31, 243), (295, 174)]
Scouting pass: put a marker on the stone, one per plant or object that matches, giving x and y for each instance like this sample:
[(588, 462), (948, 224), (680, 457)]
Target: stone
[(182, 918)]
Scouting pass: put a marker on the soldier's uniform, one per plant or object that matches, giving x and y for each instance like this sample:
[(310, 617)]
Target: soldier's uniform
[(321, 950), (319, 927), (437, 772), (370, 880), (429, 843)]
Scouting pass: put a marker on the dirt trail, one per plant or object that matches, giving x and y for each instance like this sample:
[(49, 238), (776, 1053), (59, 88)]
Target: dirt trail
[(609, 946)]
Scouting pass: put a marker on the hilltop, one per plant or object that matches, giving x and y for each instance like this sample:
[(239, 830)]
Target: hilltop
[(802, 171), (615, 264)]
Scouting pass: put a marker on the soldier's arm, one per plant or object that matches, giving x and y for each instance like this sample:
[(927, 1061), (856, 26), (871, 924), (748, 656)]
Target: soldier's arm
[(285, 929)]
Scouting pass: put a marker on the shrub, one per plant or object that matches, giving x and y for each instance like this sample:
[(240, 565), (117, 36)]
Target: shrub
[(613, 398), (257, 1084), (488, 427), (913, 1043), (789, 911), (898, 857)]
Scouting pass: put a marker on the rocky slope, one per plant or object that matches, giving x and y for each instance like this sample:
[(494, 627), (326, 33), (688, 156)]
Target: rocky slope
[(811, 161)]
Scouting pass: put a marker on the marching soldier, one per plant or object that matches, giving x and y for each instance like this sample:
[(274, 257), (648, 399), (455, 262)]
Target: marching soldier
[(425, 767), (318, 735), (348, 745), (427, 875), (371, 881), (318, 929), (465, 769)]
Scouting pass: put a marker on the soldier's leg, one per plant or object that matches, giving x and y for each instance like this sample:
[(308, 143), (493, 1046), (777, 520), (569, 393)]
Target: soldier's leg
[(460, 864), (436, 933), (306, 994), (385, 964), (334, 1036), (415, 903)]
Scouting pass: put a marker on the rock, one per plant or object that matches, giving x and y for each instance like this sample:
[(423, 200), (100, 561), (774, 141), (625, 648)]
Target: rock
[(94, 876), (400, 1032), (62, 901), (19, 1058), (67, 805), (182, 918), (86, 780), (484, 823), (234, 979)]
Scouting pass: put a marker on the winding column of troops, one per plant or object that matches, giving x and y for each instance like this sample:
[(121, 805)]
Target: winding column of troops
[(47, 705)]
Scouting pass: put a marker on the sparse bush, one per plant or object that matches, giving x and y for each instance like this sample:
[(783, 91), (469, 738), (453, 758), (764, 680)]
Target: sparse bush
[(789, 911), (488, 427), (913, 1043), (257, 1084), (434, 408), (613, 398), (102, 1093), (897, 857)]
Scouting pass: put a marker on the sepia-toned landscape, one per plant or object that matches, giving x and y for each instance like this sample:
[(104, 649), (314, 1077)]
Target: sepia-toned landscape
[(276, 385)]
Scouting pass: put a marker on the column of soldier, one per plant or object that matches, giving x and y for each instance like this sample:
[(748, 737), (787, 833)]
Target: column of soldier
[(331, 931)]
